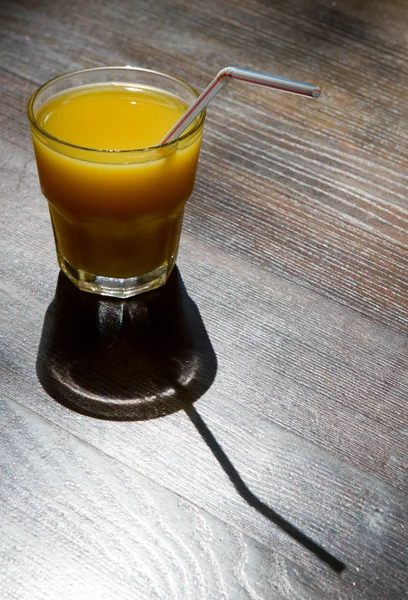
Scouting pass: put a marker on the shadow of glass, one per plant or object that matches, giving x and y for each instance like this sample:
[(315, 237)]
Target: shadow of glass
[(243, 490), (135, 359)]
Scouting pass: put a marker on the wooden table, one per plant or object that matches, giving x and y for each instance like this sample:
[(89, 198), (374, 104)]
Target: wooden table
[(260, 448)]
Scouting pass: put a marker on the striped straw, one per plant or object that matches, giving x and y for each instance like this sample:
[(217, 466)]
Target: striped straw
[(223, 77)]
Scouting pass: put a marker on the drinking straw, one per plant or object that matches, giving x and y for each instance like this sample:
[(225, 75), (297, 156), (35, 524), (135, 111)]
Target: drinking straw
[(223, 77)]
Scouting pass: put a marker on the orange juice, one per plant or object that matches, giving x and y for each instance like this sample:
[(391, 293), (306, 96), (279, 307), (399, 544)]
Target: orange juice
[(116, 199)]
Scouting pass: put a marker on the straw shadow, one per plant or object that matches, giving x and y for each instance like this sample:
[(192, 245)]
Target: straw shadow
[(249, 497), (135, 359)]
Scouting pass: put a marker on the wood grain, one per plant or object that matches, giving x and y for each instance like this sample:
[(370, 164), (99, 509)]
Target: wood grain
[(330, 188), (99, 530), (333, 504), (276, 427)]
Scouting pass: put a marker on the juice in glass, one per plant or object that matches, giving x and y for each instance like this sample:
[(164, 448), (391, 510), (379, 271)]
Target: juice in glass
[(116, 197)]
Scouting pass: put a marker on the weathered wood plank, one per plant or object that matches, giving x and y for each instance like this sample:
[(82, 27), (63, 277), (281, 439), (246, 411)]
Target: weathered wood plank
[(307, 363), (295, 253), (325, 499), (75, 524)]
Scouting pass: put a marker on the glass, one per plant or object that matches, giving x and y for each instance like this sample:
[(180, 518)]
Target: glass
[(116, 213)]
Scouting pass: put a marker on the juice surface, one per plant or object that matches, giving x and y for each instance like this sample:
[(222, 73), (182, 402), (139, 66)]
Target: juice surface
[(111, 117), (116, 214)]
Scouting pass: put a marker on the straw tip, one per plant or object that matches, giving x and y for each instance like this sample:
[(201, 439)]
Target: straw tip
[(316, 92)]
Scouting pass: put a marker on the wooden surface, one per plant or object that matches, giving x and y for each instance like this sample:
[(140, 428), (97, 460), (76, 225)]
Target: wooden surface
[(251, 432)]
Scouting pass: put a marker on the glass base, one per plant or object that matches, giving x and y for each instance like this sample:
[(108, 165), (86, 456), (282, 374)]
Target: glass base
[(115, 286)]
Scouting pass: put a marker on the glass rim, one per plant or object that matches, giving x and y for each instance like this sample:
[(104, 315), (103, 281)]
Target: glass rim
[(42, 131)]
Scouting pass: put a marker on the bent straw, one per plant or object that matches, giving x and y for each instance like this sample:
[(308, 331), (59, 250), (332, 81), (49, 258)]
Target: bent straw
[(223, 77)]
